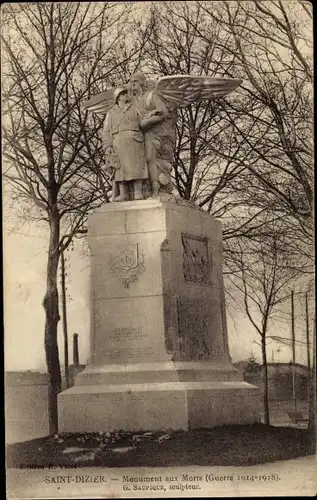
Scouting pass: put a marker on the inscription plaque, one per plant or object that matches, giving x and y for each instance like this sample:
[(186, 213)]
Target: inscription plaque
[(131, 352), (196, 266), (125, 341), (126, 333)]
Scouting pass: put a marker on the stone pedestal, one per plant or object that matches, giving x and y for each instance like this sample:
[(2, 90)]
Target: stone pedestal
[(159, 346)]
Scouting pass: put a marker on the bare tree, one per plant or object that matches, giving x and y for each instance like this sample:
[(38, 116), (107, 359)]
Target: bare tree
[(54, 56), (272, 44), (263, 274)]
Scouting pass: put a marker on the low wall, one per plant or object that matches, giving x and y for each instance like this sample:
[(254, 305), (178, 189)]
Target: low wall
[(26, 414)]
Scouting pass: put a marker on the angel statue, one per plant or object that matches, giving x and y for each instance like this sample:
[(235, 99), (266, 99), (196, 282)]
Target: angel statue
[(156, 104)]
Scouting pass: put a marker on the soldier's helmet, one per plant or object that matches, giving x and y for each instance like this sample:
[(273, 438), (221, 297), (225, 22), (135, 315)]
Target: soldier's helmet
[(118, 92)]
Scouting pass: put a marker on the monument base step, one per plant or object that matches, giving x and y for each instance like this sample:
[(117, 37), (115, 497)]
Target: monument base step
[(157, 406), (172, 371)]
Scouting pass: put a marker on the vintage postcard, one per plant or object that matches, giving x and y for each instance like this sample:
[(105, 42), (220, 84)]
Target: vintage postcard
[(158, 249)]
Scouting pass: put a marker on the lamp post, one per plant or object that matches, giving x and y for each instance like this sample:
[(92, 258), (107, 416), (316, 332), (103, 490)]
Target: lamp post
[(294, 353), (64, 315)]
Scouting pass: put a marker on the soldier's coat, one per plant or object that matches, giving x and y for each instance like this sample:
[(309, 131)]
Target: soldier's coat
[(122, 132)]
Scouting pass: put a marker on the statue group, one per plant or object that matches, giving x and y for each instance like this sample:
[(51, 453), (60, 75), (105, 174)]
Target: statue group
[(139, 128)]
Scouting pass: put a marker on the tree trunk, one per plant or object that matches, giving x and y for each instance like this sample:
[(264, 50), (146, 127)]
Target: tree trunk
[(265, 383), (312, 430), (64, 315), (50, 304)]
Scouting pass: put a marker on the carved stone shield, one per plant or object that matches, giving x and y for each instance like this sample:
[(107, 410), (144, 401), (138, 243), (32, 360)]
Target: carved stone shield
[(127, 265), (127, 259)]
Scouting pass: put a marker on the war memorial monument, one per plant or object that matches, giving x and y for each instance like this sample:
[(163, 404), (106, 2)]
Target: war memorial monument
[(158, 336)]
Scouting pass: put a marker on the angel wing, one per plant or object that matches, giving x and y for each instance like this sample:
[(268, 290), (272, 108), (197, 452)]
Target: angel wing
[(180, 91), (100, 103)]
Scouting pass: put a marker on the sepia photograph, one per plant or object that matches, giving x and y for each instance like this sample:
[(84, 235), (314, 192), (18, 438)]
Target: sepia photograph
[(158, 240)]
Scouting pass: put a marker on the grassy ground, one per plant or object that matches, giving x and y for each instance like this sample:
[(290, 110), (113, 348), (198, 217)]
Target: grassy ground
[(228, 446)]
